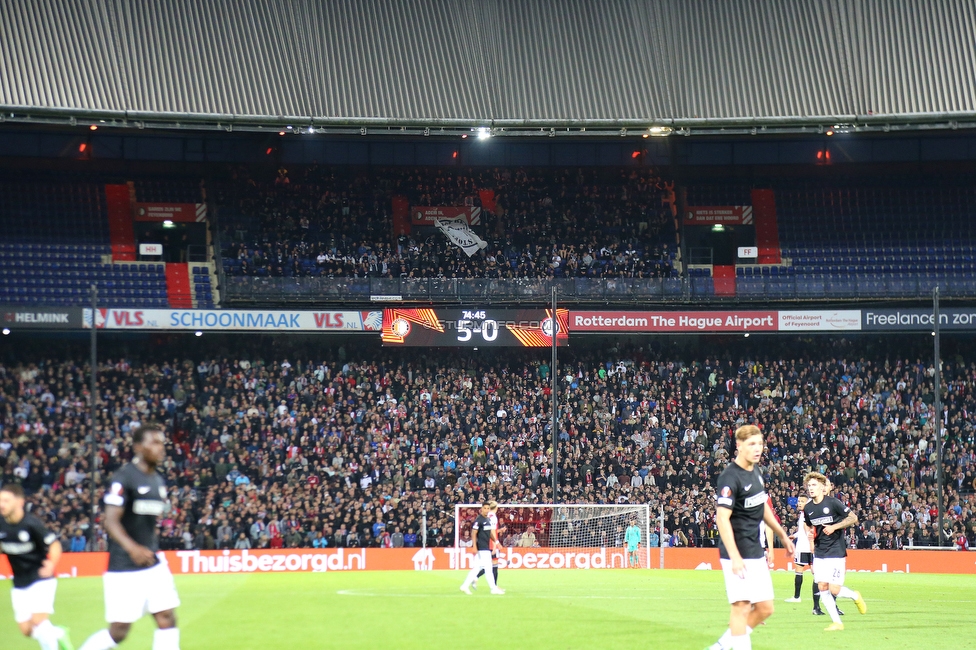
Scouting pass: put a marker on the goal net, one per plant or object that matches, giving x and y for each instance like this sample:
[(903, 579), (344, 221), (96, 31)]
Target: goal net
[(576, 526)]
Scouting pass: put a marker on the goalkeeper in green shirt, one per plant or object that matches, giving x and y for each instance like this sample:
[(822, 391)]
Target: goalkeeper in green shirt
[(633, 538)]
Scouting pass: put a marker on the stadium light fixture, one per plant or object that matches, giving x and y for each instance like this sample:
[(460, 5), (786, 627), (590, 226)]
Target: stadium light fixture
[(198, 333), (168, 224), (484, 133), (718, 228), (830, 132), (660, 131), (646, 135), (93, 127), (6, 331), (747, 334)]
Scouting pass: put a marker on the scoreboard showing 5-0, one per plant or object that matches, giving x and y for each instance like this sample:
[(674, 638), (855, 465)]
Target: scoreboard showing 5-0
[(472, 328)]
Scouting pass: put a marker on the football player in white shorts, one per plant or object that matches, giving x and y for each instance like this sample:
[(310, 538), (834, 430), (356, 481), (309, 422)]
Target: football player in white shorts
[(33, 552), (825, 518), (741, 508), (138, 580)]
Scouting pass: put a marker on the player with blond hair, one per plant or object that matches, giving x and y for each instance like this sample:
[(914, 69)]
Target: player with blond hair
[(741, 507), (826, 518)]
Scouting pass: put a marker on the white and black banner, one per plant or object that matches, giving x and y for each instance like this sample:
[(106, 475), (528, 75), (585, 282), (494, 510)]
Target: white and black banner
[(461, 236)]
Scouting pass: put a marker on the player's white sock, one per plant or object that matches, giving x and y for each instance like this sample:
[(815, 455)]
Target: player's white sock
[(830, 605), (743, 642), (847, 593), (168, 639), (100, 640), (725, 641), (47, 635)]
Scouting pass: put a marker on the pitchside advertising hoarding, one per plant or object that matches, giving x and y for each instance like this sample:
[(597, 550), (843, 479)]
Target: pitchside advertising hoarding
[(714, 321), (464, 327), (296, 560), (918, 320), (673, 321), (229, 320), (41, 317)]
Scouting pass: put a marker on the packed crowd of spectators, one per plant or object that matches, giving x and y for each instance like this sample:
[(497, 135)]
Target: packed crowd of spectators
[(322, 221), (278, 443)]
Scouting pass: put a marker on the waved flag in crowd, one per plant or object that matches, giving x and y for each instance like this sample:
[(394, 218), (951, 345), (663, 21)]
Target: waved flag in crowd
[(461, 235)]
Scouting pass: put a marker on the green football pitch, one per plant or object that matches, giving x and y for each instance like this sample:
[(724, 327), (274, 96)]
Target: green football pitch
[(542, 609)]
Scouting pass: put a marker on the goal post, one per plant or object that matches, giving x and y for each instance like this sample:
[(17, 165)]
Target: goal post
[(575, 526)]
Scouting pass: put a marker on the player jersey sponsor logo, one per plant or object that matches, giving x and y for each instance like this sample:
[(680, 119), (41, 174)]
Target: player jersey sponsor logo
[(822, 521), (147, 507), (23, 536), (756, 500), (143, 489), (16, 548)]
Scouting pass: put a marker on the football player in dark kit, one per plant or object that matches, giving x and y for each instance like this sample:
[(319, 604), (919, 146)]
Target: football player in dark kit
[(138, 580), (741, 508), (826, 518), (33, 553)]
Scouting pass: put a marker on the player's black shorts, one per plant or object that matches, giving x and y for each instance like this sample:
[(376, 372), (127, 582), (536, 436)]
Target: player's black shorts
[(803, 559)]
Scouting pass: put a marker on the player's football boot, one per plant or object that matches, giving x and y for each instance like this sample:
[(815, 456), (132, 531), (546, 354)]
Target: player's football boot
[(834, 627), (64, 643), (861, 605), (793, 600), (465, 589)]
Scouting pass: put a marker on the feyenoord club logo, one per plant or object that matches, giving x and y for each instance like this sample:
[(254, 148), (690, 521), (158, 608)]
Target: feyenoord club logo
[(400, 327)]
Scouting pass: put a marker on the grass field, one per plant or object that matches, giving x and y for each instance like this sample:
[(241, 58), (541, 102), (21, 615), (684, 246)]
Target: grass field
[(542, 609)]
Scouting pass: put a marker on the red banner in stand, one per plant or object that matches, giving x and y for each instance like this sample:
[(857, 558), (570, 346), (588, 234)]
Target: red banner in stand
[(401, 216), (181, 212), (295, 560), (707, 215), (673, 321)]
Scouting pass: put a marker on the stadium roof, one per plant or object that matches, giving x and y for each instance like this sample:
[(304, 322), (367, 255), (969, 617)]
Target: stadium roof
[(516, 66)]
